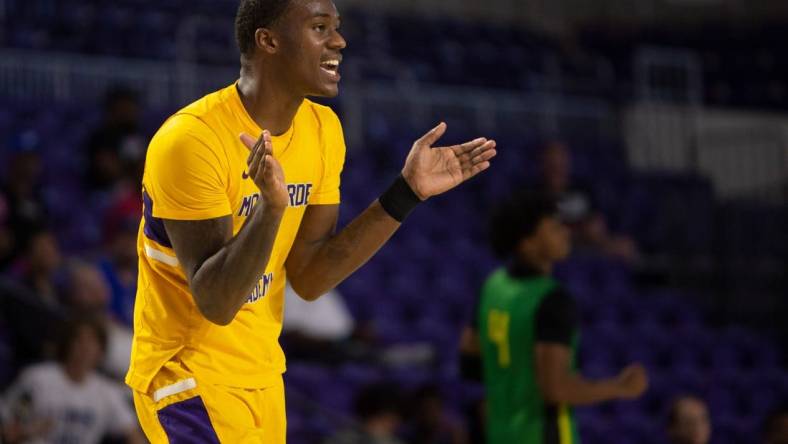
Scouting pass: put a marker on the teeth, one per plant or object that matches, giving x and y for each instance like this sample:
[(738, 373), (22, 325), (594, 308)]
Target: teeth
[(331, 64)]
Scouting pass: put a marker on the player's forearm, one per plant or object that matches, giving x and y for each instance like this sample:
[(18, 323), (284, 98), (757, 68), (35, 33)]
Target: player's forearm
[(575, 390), (225, 280), (344, 253)]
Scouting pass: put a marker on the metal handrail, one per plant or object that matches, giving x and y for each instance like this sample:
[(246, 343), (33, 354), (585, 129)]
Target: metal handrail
[(47, 77)]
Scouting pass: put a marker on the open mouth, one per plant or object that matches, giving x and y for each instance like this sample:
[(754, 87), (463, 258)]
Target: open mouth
[(330, 66)]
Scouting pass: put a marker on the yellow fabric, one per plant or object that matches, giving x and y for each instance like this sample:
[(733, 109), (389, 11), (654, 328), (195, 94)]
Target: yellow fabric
[(564, 427), (195, 170), (237, 415)]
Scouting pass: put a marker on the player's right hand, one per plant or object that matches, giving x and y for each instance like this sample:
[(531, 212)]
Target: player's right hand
[(632, 381), (266, 171)]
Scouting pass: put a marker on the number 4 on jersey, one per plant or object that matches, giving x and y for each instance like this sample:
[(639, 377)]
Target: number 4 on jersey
[(498, 332)]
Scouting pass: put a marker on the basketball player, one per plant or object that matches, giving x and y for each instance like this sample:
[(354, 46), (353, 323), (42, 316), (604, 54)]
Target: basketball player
[(526, 332), (228, 219)]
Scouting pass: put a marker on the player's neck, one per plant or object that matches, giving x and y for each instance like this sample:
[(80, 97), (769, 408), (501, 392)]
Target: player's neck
[(267, 103), (533, 264)]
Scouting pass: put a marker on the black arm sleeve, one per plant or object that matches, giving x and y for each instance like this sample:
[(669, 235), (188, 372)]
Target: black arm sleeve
[(557, 318), (474, 321), (471, 366)]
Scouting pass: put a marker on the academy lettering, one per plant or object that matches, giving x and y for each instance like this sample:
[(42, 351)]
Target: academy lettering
[(261, 289)]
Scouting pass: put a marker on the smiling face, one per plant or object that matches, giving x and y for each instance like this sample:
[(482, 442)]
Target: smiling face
[(309, 47)]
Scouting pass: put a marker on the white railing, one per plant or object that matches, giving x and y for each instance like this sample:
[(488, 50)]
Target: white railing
[(743, 153), (53, 77), (46, 77), (660, 136)]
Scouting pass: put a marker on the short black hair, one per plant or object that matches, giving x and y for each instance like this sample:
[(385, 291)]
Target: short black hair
[(516, 218), (377, 399), (71, 329), (253, 15)]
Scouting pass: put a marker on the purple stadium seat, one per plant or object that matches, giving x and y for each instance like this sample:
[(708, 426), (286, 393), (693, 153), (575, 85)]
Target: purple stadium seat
[(359, 374)]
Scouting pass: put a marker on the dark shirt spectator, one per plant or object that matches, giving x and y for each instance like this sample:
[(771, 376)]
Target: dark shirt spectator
[(7, 238), (116, 149), (22, 205), (31, 302), (578, 208), (378, 408), (576, 201), (431, 423), (38, 265)]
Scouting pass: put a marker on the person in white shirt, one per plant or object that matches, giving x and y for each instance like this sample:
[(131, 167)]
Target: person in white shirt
[(67, 401), (324, 331), (326, 318)]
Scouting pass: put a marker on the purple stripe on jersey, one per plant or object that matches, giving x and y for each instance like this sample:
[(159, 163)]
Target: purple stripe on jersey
[(187, 422), (154, 227)]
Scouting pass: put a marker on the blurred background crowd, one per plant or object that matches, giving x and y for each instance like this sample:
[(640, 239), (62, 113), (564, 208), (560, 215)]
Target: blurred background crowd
[(660, 126)]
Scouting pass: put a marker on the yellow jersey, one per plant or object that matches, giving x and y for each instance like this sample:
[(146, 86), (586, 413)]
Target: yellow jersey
[(196, 169)]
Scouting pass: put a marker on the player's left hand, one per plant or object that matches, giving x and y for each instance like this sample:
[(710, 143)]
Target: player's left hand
[(434, 170)]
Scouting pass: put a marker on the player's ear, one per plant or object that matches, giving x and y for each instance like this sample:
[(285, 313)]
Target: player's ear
[(265, 40)]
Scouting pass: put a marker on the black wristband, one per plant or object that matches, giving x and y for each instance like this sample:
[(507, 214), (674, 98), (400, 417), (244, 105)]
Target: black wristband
[(471, 367), (399, 200)]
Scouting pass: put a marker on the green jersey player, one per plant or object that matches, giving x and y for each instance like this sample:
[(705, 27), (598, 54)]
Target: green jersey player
[(525, 330)]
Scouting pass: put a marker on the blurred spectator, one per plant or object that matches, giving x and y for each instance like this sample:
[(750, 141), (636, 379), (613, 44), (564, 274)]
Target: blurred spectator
[(378, 408), (326, 318), (67, 401), (22, 206), (430, 423), (688, 421), (88, 294), (30, 301), (324, 331), (319, 330), (37, 266), (28, 324), (577, 206), (526, 331), (776, 427), (116, 149), (118, 263), (7, 237)]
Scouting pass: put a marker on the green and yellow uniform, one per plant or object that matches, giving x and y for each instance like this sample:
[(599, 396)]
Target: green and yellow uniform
[(517, 309)]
